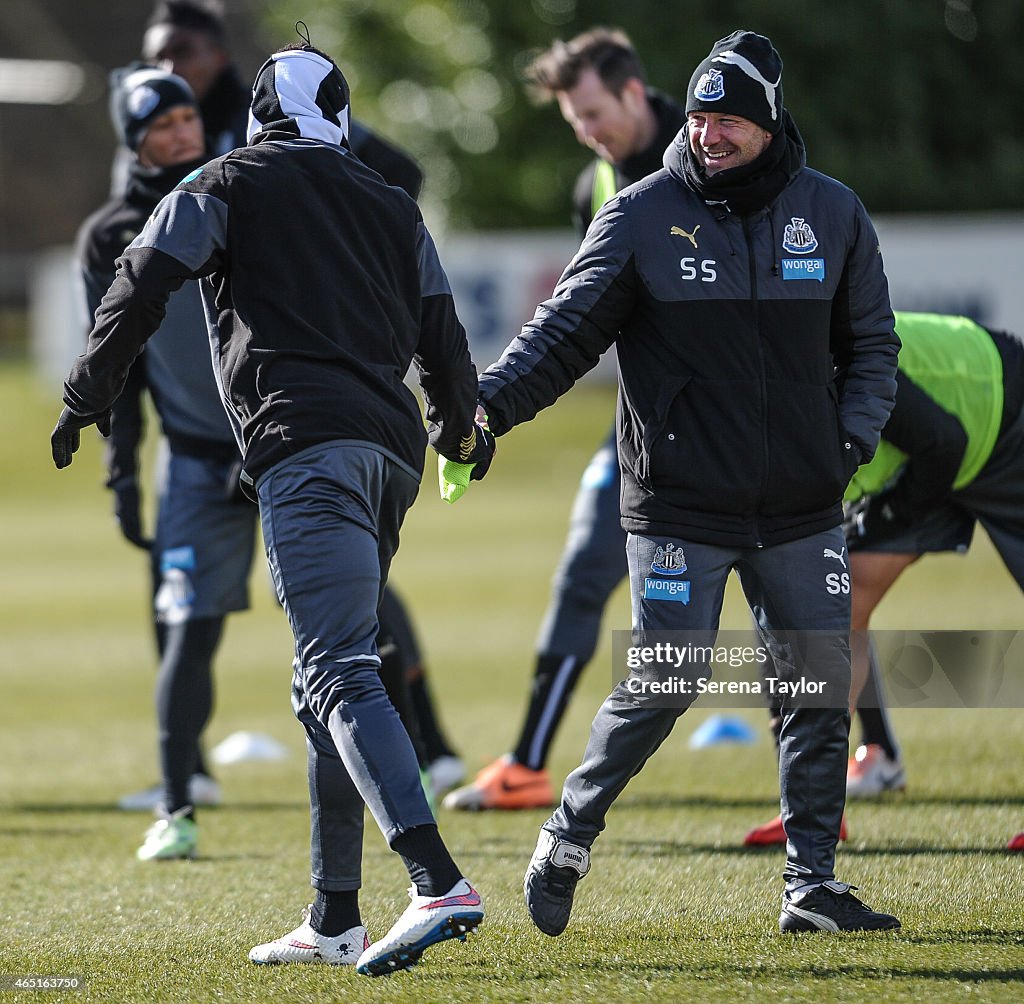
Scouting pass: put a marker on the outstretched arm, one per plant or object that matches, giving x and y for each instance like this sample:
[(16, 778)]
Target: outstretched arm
[(447, 375), (183, 239), (570, 331)]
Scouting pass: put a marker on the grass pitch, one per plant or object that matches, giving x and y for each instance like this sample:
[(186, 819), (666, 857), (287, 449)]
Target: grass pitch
[(674, 908)]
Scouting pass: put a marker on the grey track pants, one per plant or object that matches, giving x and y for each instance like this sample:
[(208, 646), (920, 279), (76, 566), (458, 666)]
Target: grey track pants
[(331, 517), (789, 588)]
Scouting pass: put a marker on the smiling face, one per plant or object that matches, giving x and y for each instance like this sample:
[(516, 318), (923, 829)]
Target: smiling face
[(722, 141), (614, 126)]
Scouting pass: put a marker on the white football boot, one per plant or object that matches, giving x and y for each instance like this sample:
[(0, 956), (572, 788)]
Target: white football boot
[(306, 945), (426, 921)]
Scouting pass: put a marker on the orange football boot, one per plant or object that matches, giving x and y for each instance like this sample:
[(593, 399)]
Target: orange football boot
[(504, 784)]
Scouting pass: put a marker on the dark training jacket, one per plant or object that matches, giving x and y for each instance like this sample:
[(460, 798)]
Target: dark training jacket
[(171, 366), (321, 285), (756, 354)]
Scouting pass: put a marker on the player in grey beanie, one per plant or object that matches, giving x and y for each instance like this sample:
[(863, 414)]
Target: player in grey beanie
[(139, 94)]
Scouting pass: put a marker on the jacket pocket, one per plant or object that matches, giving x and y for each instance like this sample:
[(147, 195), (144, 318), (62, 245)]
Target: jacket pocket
[(810, 466), (654, 428), (704, 451)]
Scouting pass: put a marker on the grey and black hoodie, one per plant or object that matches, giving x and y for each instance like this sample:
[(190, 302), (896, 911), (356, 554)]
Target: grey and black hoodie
[(320, 283), (755, 344)]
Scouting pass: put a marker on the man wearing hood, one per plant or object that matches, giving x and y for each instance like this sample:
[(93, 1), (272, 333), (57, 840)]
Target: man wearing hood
[(321, 285), (189, 38), (745, 295)]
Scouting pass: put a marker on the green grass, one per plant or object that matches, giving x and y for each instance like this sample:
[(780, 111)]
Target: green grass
[(673, 909)]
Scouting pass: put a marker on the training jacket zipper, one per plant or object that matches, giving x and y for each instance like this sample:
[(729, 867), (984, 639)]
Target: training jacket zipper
[(752, 268)]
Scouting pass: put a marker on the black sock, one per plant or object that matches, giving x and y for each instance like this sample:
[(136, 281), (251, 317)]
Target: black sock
[(874, 721), (434, 742), (427, 860), (334, 913), (184, 701), (874, 732), (554, 679)]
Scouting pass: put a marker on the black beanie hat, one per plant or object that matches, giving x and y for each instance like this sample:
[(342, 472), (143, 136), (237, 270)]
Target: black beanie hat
[(138, 95), (742, 75)]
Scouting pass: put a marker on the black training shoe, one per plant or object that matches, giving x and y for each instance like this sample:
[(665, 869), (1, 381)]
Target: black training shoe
[(550, 882), (831, 906)]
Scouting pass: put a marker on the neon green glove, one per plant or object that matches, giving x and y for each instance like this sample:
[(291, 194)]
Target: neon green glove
[(453, 479)]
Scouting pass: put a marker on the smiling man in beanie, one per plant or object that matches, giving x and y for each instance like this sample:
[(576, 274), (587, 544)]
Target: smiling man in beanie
[(745, 296), (321, 286)]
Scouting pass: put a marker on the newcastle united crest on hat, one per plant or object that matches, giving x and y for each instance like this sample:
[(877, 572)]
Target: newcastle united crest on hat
[(710, 87), (140, 94)]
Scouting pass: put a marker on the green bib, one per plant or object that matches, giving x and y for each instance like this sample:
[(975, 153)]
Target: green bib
[(957, 364), (604, 186)]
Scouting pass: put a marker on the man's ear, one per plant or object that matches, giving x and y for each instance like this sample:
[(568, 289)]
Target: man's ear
[(633, 94)]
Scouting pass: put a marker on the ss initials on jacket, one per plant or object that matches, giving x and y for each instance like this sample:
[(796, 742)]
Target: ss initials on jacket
[(689, 269)]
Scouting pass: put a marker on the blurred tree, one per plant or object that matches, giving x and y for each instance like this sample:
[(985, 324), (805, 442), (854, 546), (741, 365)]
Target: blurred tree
[(914, 105)]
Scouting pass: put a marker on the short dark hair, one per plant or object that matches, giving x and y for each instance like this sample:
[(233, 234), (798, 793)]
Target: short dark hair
[(195, 15), (304, 47), (607, 51)]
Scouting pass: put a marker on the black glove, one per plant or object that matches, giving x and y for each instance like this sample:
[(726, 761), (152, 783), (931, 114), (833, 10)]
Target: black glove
[(127, 509), (482, 456), (65, 438), (874, 518)]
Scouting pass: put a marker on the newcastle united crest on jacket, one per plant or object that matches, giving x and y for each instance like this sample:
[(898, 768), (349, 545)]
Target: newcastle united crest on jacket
[(798, 237)]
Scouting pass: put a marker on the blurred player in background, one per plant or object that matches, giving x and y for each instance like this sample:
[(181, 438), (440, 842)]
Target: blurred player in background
[(405, 677), (203, 542), (601, 88), (332, 443), (951, 456), (189, 37)]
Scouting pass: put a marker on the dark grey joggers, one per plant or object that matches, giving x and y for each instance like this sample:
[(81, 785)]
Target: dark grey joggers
[(331, 516), (796, 586)]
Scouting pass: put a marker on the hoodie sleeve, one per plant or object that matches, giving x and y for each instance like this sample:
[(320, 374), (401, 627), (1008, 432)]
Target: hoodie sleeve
[(570, 331), (127, 417), (182, 240), (447, 375), (864, 341)]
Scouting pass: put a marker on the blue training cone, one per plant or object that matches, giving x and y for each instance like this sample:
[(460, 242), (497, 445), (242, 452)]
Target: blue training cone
[(722, 729)]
